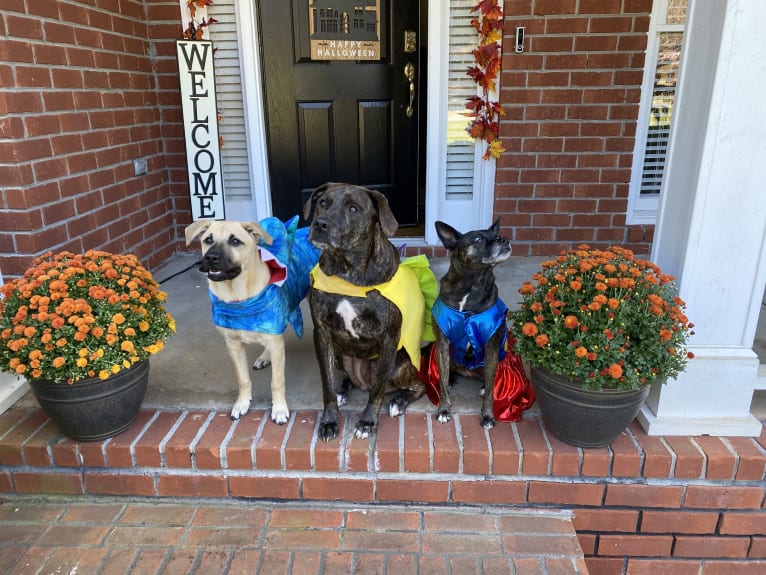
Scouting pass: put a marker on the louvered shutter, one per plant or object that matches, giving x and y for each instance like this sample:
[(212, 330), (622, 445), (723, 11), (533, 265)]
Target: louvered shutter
[(236, 174), (461, 148)]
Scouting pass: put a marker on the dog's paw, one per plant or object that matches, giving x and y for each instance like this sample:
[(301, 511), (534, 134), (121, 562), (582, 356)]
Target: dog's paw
[(443, 416), (261, 363), (328, 431), (487, 421), (280, 415), (241, 407), (364, 429), (482, 391), (341, 398), (397, 407)]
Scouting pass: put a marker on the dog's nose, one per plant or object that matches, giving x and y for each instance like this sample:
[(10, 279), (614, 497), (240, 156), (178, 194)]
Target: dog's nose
[(321, 223), (212, 258)]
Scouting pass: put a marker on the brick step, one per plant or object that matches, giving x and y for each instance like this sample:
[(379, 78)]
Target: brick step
[(203, 536), (693, 500)]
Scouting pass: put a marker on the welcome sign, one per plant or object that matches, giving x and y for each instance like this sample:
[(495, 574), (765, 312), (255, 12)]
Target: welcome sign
[(200, 113)]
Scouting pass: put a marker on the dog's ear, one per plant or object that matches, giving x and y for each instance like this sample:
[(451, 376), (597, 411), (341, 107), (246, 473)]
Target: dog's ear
[(388, 222), (255, 230), (495, 228), (448, 235), (195, 230), (308, 207)]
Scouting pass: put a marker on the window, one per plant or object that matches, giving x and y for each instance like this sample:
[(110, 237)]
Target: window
[(663, 54)]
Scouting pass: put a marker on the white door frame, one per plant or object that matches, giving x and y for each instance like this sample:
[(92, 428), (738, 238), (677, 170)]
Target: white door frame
[(463, 214)]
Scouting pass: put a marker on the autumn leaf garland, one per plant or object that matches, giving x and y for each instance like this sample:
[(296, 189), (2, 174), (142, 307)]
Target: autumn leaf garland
[(196, 30), (485, 112)]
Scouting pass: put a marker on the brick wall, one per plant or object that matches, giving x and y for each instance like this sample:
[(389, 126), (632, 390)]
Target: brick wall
[(571, 101), (88, 86)]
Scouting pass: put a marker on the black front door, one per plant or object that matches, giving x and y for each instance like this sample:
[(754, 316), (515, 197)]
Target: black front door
[(341, 86)]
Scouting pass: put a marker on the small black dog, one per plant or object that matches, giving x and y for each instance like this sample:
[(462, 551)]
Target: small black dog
[(469, 319), (357, 326)]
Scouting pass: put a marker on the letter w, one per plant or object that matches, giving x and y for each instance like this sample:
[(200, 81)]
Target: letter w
[(195, 54)]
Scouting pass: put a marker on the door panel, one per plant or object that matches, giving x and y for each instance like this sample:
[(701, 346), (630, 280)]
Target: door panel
[(330, 120)]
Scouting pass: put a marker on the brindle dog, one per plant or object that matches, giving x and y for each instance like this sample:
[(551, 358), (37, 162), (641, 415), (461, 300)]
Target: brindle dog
[(351, 226)]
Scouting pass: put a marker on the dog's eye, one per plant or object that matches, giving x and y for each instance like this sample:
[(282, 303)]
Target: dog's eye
[(479, 240), (208, 241), (235, 241), (322, 203), (353, 209)]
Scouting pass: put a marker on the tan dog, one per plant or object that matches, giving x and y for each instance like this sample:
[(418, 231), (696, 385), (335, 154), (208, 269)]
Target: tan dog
[(236, 272)]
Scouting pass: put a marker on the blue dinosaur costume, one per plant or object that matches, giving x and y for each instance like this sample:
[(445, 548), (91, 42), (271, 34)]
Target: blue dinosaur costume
[(290, 258)]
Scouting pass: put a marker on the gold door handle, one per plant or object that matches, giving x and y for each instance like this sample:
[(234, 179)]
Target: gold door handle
[(409, 73)]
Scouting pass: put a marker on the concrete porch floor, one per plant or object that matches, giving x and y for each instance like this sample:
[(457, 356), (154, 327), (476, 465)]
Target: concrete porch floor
[(194, 369)]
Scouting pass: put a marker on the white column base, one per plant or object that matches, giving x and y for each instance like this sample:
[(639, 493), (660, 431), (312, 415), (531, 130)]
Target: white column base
[(12, 388), (712, 397)]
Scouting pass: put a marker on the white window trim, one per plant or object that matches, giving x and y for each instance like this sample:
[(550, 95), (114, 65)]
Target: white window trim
[(462, 214), (643, 210)]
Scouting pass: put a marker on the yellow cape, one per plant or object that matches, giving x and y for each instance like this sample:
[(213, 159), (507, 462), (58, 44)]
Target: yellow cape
[(413, 289)]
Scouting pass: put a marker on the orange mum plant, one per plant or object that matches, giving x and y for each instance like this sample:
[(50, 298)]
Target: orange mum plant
[(72, 317), (484, 111), (603, 317)]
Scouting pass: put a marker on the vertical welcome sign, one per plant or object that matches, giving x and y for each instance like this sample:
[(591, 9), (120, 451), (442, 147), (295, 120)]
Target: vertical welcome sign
[(200, 113)]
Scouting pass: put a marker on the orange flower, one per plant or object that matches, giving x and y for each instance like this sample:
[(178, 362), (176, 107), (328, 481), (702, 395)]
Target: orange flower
[(529, 329), (541, 340), (615, 371), (571, 322), (581, 352)]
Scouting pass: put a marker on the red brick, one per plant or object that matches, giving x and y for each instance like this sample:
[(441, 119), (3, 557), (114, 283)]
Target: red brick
[(118, 450), (626, 459), (565, 493), (48, 483), (678, 522), (528, 565), (192, 486), (643, 495), (752, 463), (596, 462), (327, 455), (663, 566), (357, 453), (605, 565), (738, 567), (298, 447), (476, 456), (566, 457), (409, 490), (743, 523), (65, 452), (387, 445), (417, 455), (635, 545), (38, 447), (177, 447), (446, 450), (5, 482), (265, 487), (535, 453), (605, 519), (713, 497), (147, 449), (337, 489), (207, 452), (114, 484), (713, 547), (720, 461), (11, 443), (758, 548), (488, 491), (689, 459), (658, 459), (240, 449)]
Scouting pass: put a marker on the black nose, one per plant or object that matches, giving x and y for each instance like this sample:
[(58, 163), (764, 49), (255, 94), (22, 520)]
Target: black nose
[(212, 258), (321, 223)]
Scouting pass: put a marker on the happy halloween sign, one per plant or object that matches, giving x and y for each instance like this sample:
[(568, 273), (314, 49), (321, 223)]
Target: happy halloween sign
[(344, 29), (200, 113)]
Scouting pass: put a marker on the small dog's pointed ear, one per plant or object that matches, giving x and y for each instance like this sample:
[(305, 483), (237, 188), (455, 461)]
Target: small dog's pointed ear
[(495, 228), (447, 234), (195, 230), (388, 222), (255, 230)]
